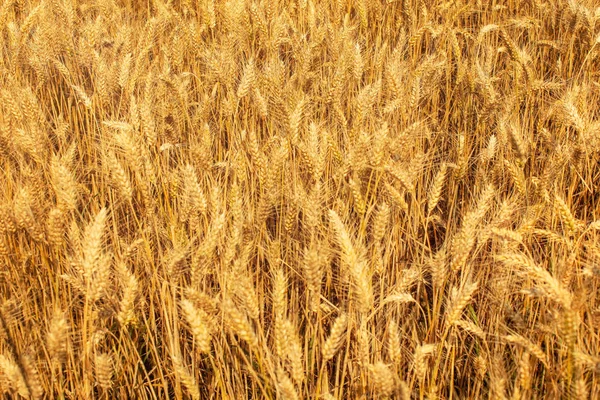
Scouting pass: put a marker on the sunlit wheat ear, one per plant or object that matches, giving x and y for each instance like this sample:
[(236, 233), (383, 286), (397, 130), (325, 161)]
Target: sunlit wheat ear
[(280, 283), (33, 376), (383, 381), (507, 235), (93, 242), (7, 221), (420, 360), (211, 240), (498, 387), (394, 348), (580, 389), (94, 261), (248, 79), (465, 238), (435, 191), (458, 301), (65, 185), (282, 332), (14, 376), (192, 191), (471, 328), (4, 247), (261, 103), (238, 322), (569, 325), (187, 379), (55, 227), (313, 270), (403, 390), (103, 367), (547, 283), (295, 355), (119, 177), (524, 374), (198, 324), (335, 338), (24, 215), (285, 386), (566, 215), (362, 344), (355, 264), (57, 338), (311, 207), (82, 96), (295, 120), (246, 293), (127, 313), (380, 222)]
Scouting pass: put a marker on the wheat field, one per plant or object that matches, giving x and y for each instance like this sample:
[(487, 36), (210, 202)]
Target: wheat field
[(303, 199)]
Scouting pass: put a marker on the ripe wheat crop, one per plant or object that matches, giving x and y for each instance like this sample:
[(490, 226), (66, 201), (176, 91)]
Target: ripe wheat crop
[(304, 199)]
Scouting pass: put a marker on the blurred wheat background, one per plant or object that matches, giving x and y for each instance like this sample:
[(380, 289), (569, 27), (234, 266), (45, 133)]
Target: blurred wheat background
[(305, 199)]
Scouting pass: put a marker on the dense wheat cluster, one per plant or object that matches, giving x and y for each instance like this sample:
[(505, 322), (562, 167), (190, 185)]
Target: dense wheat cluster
[(269, 199)]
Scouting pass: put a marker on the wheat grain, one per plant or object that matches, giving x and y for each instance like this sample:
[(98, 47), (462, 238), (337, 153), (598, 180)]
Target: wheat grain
[(420, 360), (238, 322), (335, 338), (57, 338), (393, 342), (14, 375), (197, 321), (103, 365), (383, 380), (458, 300), (187, 379)]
